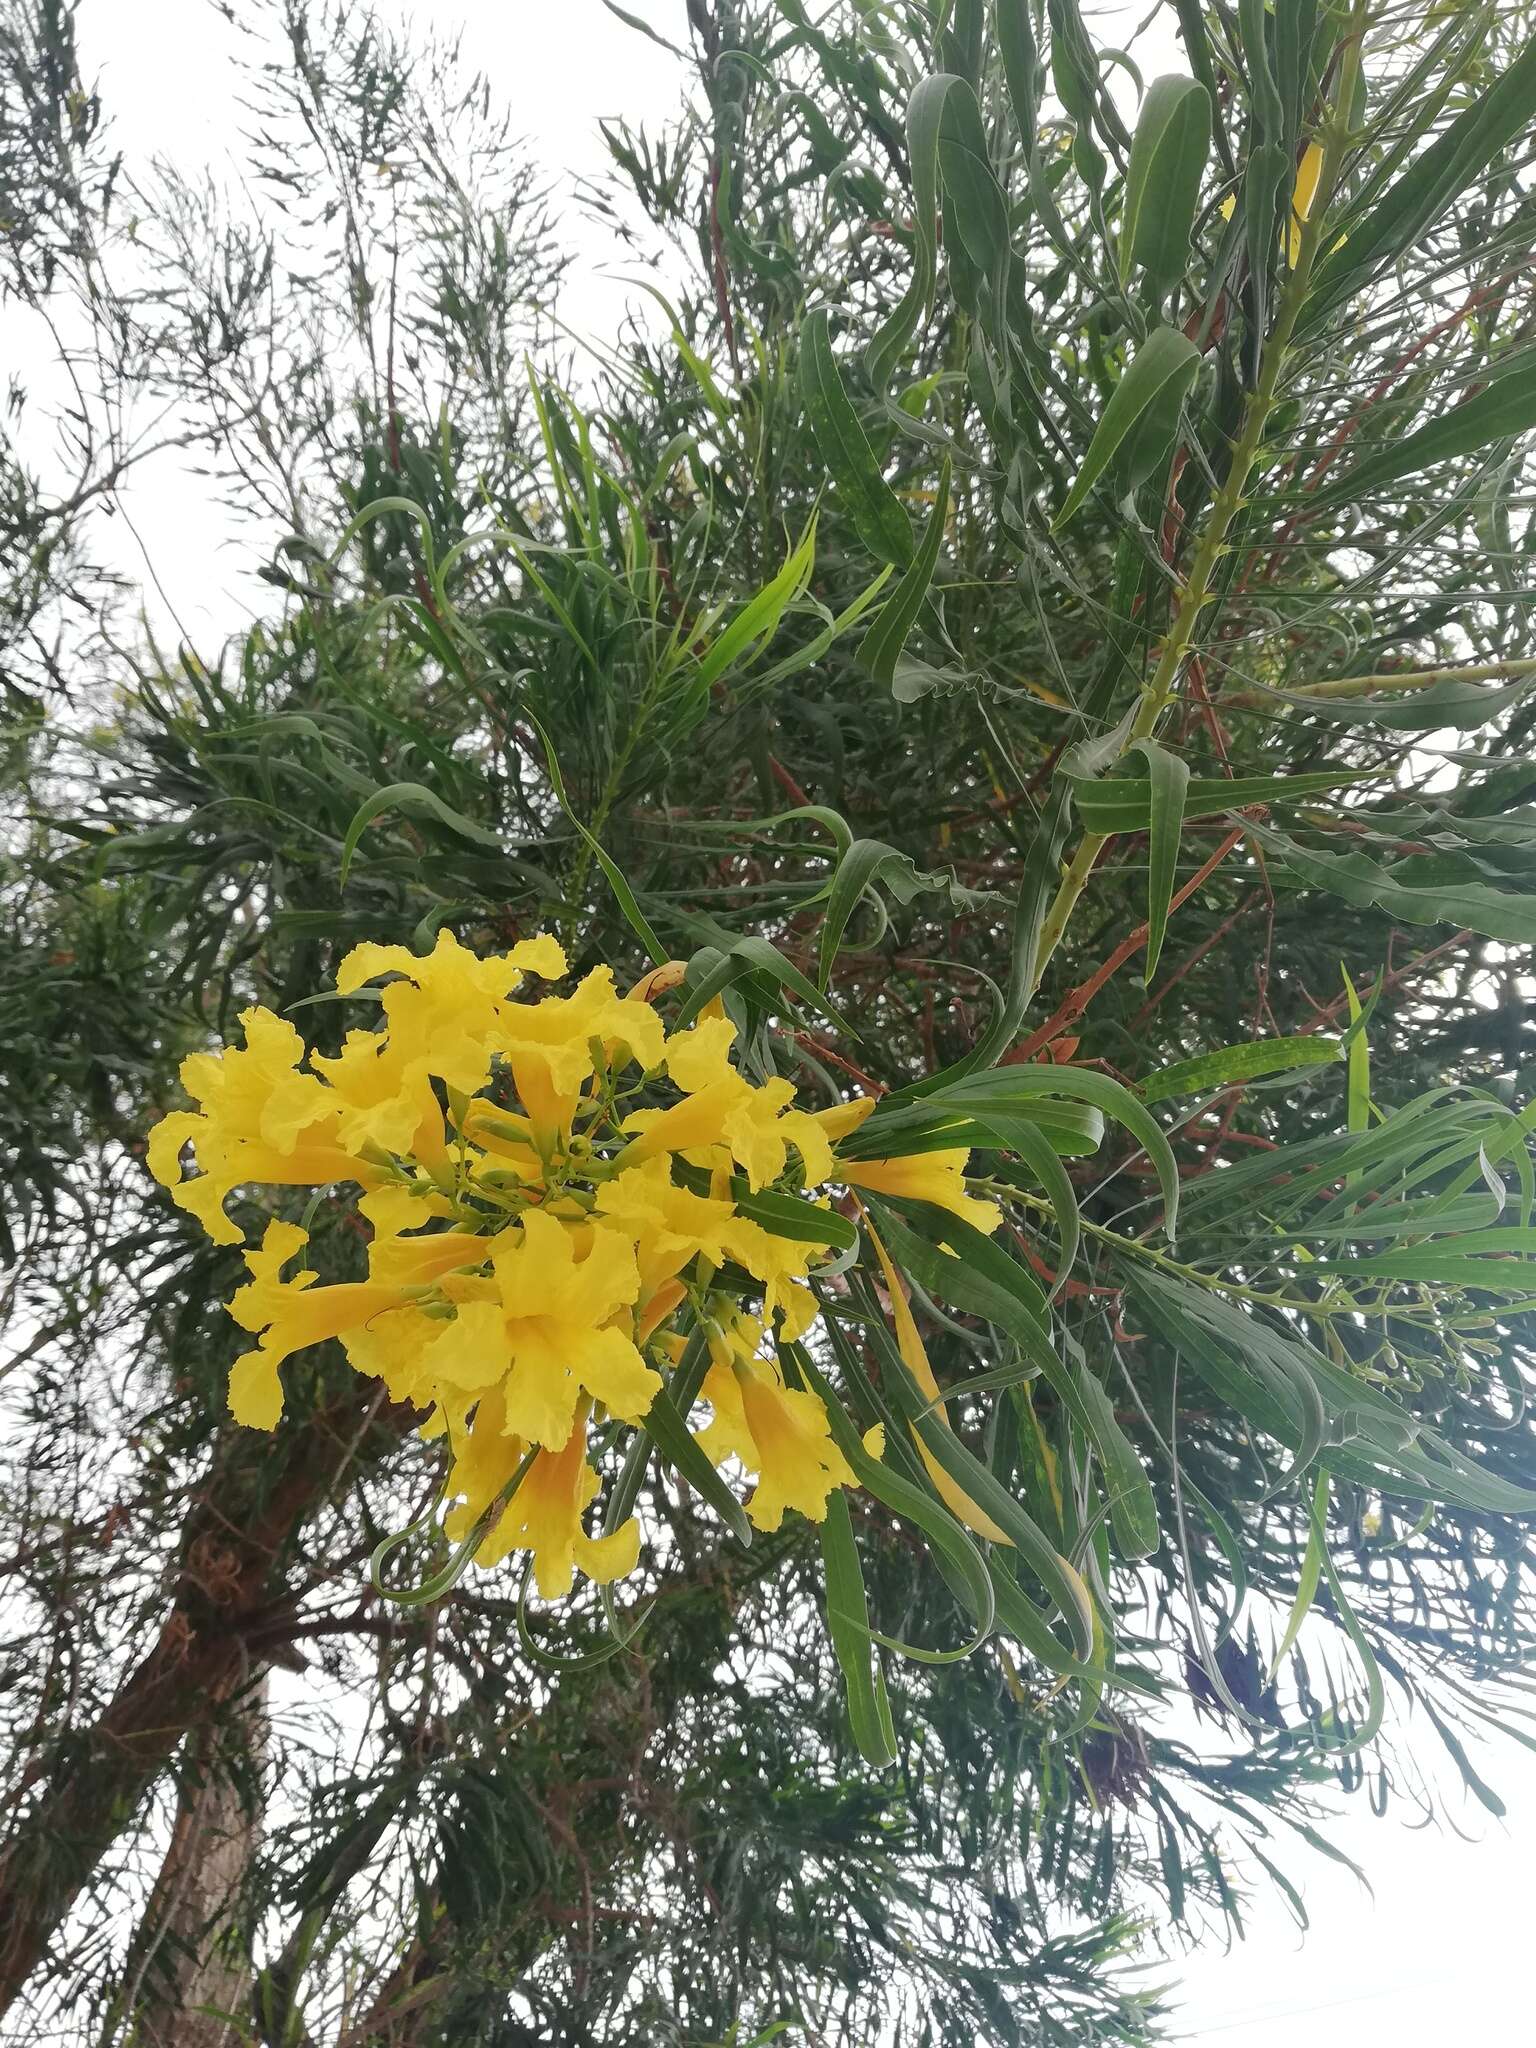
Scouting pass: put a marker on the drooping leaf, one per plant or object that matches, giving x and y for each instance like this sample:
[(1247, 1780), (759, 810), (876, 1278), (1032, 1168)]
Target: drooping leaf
[(870, 502), (869, 1708), (1162, 184), (409, 796), (1140, 422), (883, 643), (870, 864), (1167, 788), (1419, 889)]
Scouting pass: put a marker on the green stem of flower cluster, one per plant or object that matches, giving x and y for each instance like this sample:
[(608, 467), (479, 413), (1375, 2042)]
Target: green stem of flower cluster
[(1157, 694)]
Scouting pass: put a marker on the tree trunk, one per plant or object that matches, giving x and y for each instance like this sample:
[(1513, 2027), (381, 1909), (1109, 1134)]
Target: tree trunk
[(237, 1531), (192, 1961)]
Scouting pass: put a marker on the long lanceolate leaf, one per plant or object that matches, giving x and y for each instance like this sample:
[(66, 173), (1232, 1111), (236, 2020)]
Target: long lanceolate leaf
[(754, 625), (1421, 889), (882, 644), (1123, 803), (1141, 419), (924, 114), (628, 902), (976, 1274), (1167, 786), (1278, 1381), (869, 1708), (1022, 1088), (865, 866), (869, 500), (955, 1553), (1431, 183), (409, 797), (1162, 184), (1505, 407), (1254, 1060)]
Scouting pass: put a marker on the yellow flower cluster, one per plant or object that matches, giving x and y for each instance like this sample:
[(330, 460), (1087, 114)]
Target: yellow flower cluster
[(535, 1229)]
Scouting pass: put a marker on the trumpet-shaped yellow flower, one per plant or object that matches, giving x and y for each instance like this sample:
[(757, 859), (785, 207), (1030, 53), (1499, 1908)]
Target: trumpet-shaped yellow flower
[(845, 1117), (567, 1329), (544, 1516), (548, 1045), (754, 1124), (781, 1263), (290, 1315), (258, 1093), (937, 1177), (668, 1226), (781, 1433), (384, 1100), (259, 1120)]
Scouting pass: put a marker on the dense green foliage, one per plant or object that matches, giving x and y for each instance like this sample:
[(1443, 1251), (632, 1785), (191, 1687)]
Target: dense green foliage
[(1037, 506)]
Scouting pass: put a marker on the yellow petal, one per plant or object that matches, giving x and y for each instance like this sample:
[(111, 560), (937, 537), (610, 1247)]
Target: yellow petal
[(256, 1390), (471, 1351), (166, 1142), (700, 1057), (936, 1177), (844, 1117)]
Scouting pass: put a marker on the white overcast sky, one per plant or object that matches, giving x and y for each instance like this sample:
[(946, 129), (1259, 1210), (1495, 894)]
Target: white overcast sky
[(1439, 1955)]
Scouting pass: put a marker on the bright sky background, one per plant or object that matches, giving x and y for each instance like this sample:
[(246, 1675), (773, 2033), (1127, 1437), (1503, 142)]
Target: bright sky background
[(1440, 1952)]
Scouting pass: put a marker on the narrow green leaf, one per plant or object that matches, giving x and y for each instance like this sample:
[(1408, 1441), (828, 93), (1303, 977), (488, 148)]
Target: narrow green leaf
[(627, 900), (869, 500), (1376, 1698), (980, 209), (1022, 69), (1503, 409), (982, 1094), (754, 955), (757, 621), (866, 864), (1250, 1061), (1039, 1155), (1132, 1505), (958, 1556), (1140, 421), (1162, 184), (1075, 75), (1123, 803), (1493, 118), (1358, 1086), (1418, 890), (1167, 785), (869, 1707), (883, 643), (1311, 1573), (409, 796), (974, 1274), (925, 111), (1062, 1583), (1072, 1129), (669, 1431), (789, 1216)]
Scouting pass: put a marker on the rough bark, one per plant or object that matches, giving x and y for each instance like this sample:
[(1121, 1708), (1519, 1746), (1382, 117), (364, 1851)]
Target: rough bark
[(237, 1533), (192, 1961)]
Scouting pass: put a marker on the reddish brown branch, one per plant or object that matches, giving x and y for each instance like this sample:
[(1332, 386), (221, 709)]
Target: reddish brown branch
[(1078, 999)]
